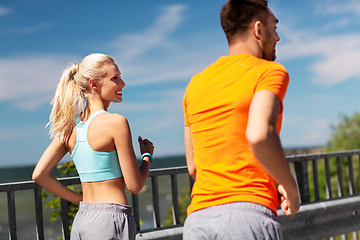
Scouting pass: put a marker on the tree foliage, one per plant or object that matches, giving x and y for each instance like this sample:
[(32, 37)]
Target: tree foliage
[(346, 134), (184, 201)]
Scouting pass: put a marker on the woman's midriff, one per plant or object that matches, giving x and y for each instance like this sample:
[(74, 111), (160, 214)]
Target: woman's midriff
[(111, 191)]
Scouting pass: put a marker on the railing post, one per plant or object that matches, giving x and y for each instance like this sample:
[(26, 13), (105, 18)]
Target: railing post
[(156, 204), (302, 178), (39, 215), (340, 177), (12, 215), (316, 179), (175, 199), (351, 176), (355, 236), (135, 205), (65, 219), (328, 179)]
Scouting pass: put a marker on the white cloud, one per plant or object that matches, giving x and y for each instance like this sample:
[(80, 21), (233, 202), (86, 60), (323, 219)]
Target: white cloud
[(32, 103), (314, 132), (320, 124), (167, 102), (4, 11), (325, 99), (160, 119), (338, 23), (338, 68), (156, 35), (179, 93), (30, 81), (292, 121), (131, 106), (335, 57), (7, 134), (339, 7), (33, 29), (332, 48), (166, 68), (315, 138), (174, 60), (167, 74)]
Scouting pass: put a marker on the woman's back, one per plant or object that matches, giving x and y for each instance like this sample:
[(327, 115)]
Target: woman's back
[(99, 133), (100, 139)]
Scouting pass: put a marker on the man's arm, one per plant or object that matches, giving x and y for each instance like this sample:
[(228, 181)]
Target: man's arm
[(265, 144), (189, 152)]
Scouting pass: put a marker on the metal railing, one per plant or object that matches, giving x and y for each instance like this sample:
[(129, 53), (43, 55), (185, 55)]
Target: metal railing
[(313, 173), (301, 168), (11, 188), (329, 187)]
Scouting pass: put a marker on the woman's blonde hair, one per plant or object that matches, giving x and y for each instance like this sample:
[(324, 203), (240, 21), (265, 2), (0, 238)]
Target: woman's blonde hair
[(71, 93)]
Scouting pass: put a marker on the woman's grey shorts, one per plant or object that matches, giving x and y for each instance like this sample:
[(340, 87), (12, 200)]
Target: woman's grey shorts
[(95, 221), (240, 221)]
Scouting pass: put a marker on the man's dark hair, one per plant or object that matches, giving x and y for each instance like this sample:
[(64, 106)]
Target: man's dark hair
[(236, 15)]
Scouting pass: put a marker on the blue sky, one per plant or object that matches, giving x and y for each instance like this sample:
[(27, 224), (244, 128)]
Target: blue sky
[(158, 46)]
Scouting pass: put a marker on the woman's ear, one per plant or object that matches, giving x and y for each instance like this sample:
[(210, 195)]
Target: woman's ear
[(93, 84)]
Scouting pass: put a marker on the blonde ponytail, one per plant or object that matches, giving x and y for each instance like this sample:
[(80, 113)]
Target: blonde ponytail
[(70, 95)]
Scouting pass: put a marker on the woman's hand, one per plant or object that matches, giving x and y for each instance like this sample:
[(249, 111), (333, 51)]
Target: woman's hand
[(78, 197), (146, 146)]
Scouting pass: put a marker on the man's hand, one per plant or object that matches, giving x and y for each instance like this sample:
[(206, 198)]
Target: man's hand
[(289, 202)]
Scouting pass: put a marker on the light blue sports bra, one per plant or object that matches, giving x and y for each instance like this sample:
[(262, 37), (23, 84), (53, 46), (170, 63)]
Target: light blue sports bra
[(91, 165)]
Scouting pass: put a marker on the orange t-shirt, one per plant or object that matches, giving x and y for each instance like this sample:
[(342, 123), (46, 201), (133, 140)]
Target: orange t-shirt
[(216, 107)]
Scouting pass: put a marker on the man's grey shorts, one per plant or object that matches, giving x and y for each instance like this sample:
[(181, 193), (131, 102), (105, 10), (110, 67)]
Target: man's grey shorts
[(240, 221), (95, 221)]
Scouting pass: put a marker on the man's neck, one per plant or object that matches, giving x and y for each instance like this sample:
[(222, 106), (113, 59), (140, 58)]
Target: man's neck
[(245, 47)]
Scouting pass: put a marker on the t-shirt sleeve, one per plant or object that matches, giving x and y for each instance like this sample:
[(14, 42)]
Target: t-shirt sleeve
[(186, 121), (276, 80)]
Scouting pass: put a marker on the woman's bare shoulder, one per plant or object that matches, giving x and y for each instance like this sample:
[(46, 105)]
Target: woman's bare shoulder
[(116, 118), (112, 121)]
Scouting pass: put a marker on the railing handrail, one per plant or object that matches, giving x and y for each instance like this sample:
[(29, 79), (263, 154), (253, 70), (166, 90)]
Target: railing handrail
[(315, 156), (31, 185), (26, 185)]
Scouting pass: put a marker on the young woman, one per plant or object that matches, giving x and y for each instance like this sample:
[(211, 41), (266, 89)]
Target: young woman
[(100, 144)]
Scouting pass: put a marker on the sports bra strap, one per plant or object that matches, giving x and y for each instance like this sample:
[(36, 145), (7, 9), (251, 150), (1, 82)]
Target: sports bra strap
[(82, 127), (94, 115)]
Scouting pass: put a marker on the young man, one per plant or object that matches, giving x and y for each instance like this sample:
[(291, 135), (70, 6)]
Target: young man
[(233, 113)]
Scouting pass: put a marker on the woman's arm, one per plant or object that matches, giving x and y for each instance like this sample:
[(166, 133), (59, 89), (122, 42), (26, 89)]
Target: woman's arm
[(42, 172), (134, 176)]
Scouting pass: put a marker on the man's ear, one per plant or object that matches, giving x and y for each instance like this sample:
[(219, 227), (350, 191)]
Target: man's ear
[(93, 84), (258, 31)]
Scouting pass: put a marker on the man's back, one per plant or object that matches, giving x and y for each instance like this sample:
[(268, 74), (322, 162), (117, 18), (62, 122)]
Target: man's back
[(216, 106), (232, 121)]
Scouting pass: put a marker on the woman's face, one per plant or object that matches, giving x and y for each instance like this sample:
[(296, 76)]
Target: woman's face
[(110, 87)]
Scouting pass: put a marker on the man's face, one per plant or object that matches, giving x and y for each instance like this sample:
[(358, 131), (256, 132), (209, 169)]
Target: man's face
[(270, 38)]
